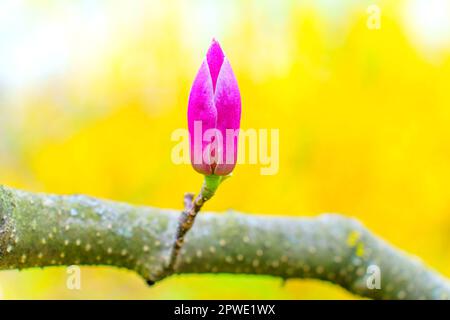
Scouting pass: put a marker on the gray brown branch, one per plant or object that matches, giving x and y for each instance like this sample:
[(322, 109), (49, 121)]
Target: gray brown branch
[(38, 230)]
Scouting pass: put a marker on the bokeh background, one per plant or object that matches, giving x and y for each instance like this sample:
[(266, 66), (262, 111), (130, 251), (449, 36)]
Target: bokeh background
[(90, 92)]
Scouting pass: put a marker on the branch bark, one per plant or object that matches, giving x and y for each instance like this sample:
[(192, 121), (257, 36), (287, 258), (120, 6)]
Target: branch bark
[(38, 230)]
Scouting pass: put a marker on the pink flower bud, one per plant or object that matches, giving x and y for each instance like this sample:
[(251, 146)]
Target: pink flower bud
[(214, 115)]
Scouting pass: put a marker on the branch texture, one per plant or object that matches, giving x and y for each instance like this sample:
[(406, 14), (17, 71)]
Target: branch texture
[(38, 230)]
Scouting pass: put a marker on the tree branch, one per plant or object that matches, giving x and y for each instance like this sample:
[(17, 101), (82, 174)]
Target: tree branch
[(38, 230)]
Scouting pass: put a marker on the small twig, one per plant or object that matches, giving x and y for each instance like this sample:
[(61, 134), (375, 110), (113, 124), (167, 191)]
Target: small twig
[(186, 221), (188, 197)]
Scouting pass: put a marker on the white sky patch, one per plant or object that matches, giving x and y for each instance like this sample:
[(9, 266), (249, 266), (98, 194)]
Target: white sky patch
[(428, 24), (37, 43)]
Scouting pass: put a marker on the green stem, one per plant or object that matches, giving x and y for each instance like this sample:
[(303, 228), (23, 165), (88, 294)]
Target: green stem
[(210, 185)]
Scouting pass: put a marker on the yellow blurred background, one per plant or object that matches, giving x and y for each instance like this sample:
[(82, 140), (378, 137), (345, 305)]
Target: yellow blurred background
[(90, 92)]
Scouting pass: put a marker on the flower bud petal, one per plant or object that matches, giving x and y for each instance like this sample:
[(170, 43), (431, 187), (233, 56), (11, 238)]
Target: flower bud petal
[(202, 116), (215, 57), (227, 101)]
